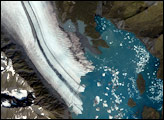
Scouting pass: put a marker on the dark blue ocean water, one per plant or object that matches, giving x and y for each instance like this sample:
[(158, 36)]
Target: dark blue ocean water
[(115, 74)]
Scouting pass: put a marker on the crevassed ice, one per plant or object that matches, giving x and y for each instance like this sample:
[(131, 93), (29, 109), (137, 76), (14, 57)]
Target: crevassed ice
[(53, 41)]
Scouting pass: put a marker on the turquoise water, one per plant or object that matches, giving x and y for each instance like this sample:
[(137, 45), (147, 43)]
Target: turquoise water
[(115, 74)]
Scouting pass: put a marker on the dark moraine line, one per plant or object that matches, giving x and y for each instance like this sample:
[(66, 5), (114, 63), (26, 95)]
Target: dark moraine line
[(43, 95), (49, 49), (36, 37)]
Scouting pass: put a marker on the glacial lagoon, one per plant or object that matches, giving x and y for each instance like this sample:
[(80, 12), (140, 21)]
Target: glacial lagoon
[(113, 80), (124, 78)]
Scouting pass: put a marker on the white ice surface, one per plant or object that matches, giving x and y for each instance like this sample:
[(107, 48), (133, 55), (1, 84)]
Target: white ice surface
[(54, 42), (5, 103), (19, 94)]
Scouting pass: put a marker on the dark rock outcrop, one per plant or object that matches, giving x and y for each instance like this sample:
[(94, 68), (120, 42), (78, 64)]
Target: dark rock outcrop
[(144, 19), (84, 11), (141, 18), (131, 102), (150, 113), (24, 67), (162, 112), (140, 84), (148, 23), (157, 51), (122, 10)]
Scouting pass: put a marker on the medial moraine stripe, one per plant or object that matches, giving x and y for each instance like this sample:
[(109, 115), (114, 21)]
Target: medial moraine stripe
[(36, 37)]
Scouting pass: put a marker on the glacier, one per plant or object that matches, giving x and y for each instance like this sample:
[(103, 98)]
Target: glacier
[(56, 54)]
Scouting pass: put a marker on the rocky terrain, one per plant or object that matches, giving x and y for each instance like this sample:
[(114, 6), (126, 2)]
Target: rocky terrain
[(140, 84), (51, 105), (131, 102), (150, 113), (10, 80), (144, 19)]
